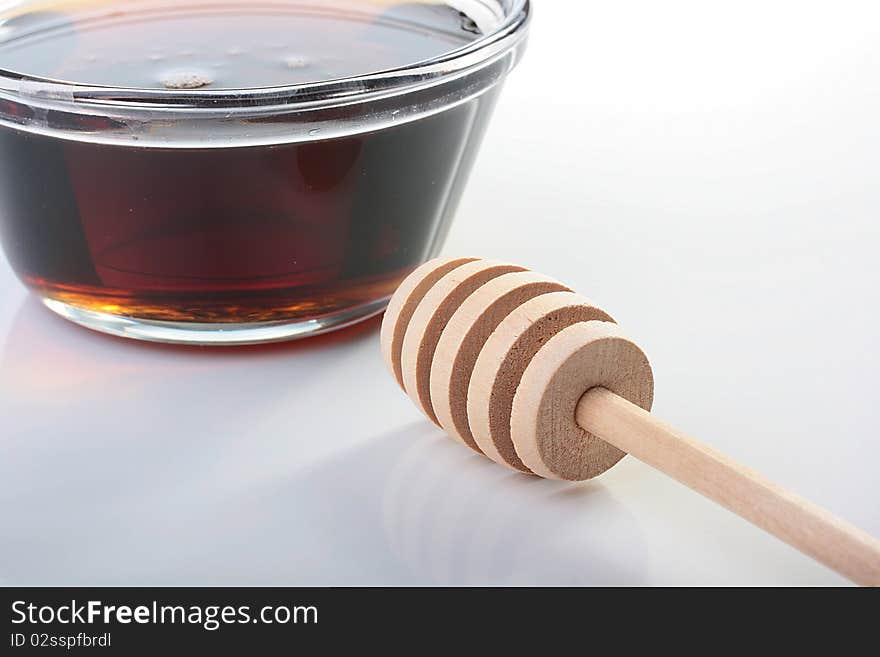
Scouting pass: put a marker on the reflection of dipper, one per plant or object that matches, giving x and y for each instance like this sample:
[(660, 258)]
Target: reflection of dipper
[(541, 380)]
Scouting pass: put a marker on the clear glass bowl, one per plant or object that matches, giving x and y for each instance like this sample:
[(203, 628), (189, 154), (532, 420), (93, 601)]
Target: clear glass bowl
[(208, 203)]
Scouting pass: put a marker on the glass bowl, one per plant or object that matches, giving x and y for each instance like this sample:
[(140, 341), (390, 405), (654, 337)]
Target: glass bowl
[(269, 170)]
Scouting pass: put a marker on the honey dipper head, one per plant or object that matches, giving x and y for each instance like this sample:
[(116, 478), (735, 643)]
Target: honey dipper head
[(499, 357)]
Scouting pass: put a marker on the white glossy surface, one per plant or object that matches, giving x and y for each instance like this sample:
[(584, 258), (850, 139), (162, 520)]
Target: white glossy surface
[(708, 173)]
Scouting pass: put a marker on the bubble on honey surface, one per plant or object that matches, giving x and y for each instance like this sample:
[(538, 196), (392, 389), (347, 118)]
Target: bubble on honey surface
[(186, 80), (296, 61)]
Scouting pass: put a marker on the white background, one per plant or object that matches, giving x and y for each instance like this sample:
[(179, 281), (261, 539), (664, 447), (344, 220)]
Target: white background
[(707, 171)]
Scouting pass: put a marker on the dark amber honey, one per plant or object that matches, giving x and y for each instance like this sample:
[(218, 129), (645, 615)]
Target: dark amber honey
[(238, 234)]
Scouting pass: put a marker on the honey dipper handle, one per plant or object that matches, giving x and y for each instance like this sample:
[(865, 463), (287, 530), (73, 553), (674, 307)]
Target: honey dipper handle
[(814, 531)]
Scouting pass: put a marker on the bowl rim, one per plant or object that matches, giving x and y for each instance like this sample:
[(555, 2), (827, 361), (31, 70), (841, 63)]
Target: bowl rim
[(447, 66)]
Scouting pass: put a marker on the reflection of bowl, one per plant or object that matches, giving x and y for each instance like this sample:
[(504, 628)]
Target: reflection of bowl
[(180, 172)]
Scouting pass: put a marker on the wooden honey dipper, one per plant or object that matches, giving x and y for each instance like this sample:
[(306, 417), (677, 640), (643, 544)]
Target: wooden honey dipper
[(521, 369)]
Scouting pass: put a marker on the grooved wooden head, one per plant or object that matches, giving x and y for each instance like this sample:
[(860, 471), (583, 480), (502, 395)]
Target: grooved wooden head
[(499, 357), (430, 319), (503, 360), (403, 304), (579, 358), (463, 340)]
